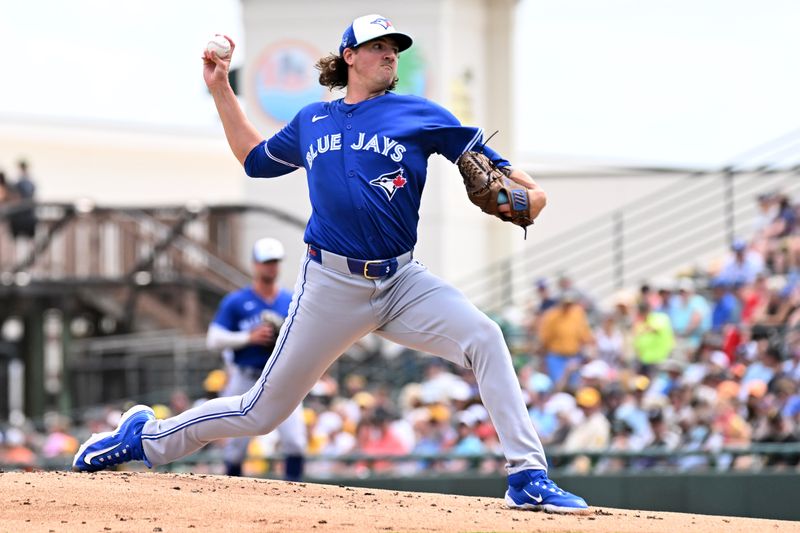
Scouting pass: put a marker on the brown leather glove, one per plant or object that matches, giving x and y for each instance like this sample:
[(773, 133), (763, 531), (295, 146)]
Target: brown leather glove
[(488, 186)]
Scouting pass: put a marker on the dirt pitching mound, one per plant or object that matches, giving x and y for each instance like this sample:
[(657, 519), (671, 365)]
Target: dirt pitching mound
[(157, 502)]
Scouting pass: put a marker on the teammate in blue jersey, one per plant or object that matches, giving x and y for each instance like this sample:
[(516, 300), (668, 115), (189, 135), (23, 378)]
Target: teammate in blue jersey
[(245, 329), (365, 158)]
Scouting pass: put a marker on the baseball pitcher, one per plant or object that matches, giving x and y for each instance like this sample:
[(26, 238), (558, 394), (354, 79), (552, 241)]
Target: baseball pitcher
[(365, 157)]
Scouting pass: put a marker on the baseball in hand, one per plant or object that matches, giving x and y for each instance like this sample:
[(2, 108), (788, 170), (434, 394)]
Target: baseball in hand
[(219, 45)]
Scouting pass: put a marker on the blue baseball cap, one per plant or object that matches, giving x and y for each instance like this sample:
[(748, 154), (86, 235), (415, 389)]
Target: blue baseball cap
[(370, 27)]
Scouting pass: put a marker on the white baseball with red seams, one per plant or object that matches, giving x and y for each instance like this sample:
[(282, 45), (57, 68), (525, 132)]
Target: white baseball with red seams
[(219, 45)]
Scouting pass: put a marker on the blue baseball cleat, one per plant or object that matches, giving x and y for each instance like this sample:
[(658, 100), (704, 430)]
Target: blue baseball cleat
[(533, 490), (124, 444)]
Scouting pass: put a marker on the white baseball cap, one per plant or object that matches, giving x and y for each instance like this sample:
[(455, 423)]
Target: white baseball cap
[(370, 27), (267, 249), (720, 359)]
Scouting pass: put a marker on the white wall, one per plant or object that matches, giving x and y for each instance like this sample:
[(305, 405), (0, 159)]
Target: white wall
[(121, 166)]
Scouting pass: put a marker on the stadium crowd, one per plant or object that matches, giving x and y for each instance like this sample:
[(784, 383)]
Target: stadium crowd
[(707, 362)]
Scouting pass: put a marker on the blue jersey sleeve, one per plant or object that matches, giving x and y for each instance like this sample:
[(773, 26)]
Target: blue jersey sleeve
[(277, 156), (451, 139), (226, 316)]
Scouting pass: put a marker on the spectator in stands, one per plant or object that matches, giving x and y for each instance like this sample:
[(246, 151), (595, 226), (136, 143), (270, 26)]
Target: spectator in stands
[(791, 367), (753, 299), (620, 441), (768, 366), (690, 316), (767, 211), (23, 220), (544, 420), (213, 385), (664, 291), (491, 443), (731, 426), (781, 241), (594, 433), (757, 406), (653, 339), (333, 437), (545, 299), (567, 414), (624, 309), (179, 402), (665, 438), (467, 442), (430, 438), (5, 189), (668, 378), (698, 437), (793, 298), (789, 404), (785, 219), (708, 358), (14, 449), (58, 443), (678, 411), (609, 341), (625, 316), (598, 374), (564, 333), (375, 437), (742, 266), (726, 309), (646, 293), (777, 308), (566, 285), (25, 186), (779, 430), (632, 411), (439, 382)]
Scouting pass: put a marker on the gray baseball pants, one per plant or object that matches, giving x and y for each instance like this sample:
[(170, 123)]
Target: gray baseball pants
[(332, 309), (291, 432)]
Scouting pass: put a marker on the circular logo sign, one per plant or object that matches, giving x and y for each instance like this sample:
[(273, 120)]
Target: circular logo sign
[(286, 80), (411, 73)]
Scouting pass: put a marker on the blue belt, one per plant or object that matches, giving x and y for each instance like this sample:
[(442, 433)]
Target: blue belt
[(373, 269)]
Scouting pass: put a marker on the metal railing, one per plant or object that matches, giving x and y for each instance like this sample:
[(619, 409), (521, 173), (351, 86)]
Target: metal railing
[(146, 366), (686, 222), (661, 233), (81, 240), (655, 458)]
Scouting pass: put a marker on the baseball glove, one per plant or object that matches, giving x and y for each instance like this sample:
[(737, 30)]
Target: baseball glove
[(488, 186), (276, 321)]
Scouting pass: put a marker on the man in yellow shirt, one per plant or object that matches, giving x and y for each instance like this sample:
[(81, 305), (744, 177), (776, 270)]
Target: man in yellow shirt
[(653, 338), (563, 333)]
